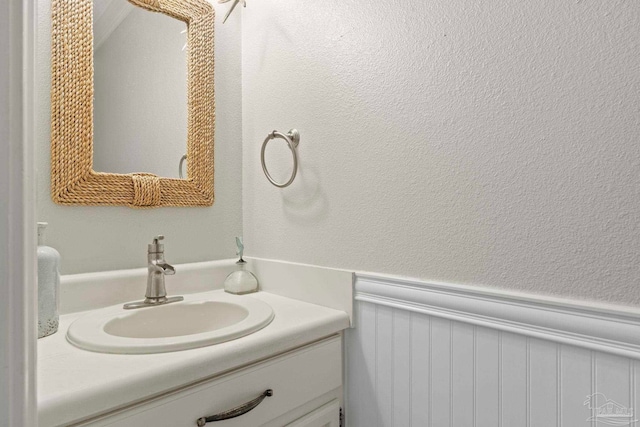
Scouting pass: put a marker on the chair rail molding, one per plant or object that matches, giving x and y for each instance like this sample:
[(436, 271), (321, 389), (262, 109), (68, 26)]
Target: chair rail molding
[(600, 327)]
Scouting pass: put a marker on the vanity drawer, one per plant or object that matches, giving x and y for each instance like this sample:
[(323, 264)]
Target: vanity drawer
[(296, 378)]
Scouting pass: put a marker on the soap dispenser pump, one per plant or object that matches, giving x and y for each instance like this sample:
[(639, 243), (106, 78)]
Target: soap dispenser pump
[(241, 281)]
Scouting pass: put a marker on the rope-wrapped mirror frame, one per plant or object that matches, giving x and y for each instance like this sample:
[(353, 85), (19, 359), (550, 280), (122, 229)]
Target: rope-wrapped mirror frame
[(73, 180)]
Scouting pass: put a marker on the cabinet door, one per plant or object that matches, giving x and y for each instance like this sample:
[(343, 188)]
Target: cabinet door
[(325, 416)]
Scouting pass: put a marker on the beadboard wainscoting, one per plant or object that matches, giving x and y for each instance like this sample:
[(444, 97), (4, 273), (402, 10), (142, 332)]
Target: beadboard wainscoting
[(428, 355)]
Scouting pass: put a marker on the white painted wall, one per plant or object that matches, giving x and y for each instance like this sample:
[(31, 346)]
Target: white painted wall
[(17, 228), (107, 238), (484, 143), (5, 330)]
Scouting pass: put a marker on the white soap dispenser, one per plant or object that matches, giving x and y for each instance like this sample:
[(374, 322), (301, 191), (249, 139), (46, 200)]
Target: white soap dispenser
[(48, 285), (241, 281)]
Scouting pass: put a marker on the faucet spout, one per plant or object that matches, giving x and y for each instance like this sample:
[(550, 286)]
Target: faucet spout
[(162, 267)]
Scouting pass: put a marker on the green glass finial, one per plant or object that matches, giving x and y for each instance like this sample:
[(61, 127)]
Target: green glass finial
[(240, 246)]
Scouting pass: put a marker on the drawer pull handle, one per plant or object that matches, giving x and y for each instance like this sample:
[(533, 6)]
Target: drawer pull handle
[(235, 412)]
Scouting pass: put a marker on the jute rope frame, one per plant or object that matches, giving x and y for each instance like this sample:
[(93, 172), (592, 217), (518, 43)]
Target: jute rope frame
[(73, 180)]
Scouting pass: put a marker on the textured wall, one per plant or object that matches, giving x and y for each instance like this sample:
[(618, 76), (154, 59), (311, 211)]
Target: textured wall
[(5, 215), (107, 238), (5, 332), (490, 143)]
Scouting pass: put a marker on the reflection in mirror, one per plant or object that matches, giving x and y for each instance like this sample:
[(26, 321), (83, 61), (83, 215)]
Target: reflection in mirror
[(140, 90)]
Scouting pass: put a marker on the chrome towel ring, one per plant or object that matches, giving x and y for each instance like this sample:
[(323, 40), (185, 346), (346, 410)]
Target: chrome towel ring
[(293, 139)]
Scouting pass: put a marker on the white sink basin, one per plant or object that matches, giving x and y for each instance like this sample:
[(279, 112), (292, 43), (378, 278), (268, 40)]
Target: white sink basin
[(194, 322)]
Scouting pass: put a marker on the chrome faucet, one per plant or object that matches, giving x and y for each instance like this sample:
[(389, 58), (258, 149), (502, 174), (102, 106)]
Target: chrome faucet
[(157, 268)]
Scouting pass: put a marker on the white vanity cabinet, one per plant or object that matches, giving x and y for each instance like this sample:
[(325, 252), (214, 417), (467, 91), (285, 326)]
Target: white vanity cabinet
[(325, 416), (306, 384)]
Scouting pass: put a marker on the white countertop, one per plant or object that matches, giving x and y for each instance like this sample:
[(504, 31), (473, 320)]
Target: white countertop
[(75, 384)]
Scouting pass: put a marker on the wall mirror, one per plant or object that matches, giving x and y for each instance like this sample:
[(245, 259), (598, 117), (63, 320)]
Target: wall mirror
[(140, 90), (132, 91)]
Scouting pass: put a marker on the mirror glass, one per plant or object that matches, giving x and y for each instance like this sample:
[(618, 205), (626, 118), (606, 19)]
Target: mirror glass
[(140, 90)]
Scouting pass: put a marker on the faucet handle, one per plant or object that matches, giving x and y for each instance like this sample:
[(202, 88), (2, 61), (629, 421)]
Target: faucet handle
[(156, 246)]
